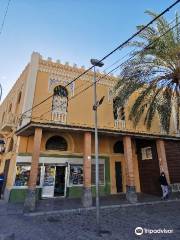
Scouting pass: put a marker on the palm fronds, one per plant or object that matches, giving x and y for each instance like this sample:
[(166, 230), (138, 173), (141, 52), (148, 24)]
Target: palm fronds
[(154, 72)]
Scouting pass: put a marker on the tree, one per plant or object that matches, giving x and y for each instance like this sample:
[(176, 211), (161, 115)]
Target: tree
[(153, 71)]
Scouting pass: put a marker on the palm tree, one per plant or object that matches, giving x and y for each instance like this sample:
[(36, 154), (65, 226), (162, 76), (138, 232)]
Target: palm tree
[(153, 71)]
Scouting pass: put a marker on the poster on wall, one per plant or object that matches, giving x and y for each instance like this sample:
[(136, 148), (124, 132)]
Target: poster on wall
[(49, 181), (22, 175), (76, 175)]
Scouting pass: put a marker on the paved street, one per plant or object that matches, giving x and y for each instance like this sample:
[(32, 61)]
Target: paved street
[(118, 223)]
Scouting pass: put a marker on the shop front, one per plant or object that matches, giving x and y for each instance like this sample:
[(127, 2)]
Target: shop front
[(57, 177)]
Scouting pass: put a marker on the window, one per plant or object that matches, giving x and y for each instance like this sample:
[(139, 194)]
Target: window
[(3, 116), (61, 91), (118, 110), (146, 153), (101, 174), (110, 95), (121, 113), (22, 175), (59, 104), (11, 144), (56, 143), (118, 147), (19, 98), (10, 108), (76, 174)]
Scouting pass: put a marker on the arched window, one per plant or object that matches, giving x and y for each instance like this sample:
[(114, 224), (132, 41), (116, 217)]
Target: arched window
[(18, 102), (118, 147), (118, 110), (19, 98), (3, 116), (10, 107), (56, 143), (61, 91), (11, 145), (59, 104)]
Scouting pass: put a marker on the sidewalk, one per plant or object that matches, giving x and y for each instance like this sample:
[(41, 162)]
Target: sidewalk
[(62, 205), (59, 205)]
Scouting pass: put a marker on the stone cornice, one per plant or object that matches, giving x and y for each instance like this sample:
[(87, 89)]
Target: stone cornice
[(29, 130)]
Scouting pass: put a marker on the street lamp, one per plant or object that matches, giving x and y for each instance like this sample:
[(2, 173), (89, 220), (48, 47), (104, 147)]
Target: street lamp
[(96, 63)]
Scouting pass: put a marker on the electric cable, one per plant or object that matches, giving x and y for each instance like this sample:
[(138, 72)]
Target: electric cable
[(4, 18), (113, 51), (116, 68)]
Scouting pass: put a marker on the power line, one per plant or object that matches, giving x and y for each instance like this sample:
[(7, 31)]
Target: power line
[(4, 18), (117, 67), (113, 51)]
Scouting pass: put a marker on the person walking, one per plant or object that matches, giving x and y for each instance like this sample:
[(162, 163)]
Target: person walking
[(164, 186)]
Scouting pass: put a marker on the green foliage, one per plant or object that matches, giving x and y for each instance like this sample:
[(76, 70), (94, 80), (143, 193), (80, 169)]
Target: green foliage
[(154, 71)]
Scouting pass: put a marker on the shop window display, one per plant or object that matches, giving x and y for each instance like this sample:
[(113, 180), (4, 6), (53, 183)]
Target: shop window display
[(76, 175), (22, 175)]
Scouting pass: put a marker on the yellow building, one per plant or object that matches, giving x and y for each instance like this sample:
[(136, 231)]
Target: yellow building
[(49, 144)]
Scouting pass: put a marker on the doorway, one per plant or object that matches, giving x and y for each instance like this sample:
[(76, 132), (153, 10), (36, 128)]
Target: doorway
[(59, 187), (148, 166), (118, 171), (54, 181)]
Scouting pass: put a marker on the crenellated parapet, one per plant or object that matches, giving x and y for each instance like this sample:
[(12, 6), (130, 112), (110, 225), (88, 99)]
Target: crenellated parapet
[(67, 72)]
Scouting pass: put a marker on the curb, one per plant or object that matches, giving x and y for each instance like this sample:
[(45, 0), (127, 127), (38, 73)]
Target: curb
[(80, 210)]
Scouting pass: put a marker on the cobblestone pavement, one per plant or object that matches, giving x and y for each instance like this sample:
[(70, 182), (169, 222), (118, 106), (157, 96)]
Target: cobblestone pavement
[(119, 224)]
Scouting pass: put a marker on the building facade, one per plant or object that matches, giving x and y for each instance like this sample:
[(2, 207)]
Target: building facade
[(49, 144)]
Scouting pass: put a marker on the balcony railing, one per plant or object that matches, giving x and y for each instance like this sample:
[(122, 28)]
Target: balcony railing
[(120, 124), (10, 121), (59, 117)]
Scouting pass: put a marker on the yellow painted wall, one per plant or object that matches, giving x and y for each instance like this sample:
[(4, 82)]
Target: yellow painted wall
[(80, 108), (12, 98)]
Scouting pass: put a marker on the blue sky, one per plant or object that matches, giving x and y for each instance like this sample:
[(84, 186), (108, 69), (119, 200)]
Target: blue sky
[(69, 30)]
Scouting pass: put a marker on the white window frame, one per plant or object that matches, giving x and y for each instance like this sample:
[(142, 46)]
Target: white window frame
[(144, 153)]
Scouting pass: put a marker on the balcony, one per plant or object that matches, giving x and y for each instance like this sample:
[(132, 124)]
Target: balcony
[(120, 124), (10, 122), (59, 117)]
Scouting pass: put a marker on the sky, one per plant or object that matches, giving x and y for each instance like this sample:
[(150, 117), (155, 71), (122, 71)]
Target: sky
[(69, 30)]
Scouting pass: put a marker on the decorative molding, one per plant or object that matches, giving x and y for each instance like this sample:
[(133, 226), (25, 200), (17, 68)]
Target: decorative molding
[(68, 73), (55, 80)]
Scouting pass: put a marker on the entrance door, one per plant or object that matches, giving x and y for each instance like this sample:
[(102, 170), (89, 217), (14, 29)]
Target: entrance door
[(6, 170), (118, 171), (59, 181), (148, 166)]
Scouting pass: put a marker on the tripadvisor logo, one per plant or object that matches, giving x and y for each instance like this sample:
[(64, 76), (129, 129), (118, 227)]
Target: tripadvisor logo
[(139, 231)]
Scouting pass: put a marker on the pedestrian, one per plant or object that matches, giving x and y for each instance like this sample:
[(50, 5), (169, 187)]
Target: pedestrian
[(164, 186), (1, 183)]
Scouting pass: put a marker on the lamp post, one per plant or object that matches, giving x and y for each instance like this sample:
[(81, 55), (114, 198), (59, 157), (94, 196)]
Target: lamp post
[(96, 63)]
